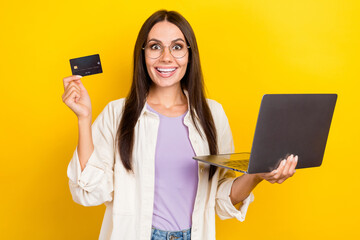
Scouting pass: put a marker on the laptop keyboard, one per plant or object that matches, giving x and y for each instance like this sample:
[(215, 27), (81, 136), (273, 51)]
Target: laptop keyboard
[(242, 164)]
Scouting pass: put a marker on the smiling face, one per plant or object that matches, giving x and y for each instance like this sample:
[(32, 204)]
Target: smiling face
[(166, 70)]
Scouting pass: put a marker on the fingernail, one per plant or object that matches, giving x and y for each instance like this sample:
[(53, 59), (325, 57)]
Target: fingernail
[(78, 76), (283, 163), (296, 158)]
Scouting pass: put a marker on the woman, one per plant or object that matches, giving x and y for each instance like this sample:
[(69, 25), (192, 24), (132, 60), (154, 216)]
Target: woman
[(136, 157)]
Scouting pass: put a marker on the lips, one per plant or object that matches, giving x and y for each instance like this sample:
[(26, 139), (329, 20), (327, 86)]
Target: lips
[(165, 72)]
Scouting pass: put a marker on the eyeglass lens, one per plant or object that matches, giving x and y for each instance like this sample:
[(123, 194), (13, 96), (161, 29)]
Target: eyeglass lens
[(155, 49)]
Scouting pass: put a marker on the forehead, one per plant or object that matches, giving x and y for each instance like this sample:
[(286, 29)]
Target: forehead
[(165, 32)]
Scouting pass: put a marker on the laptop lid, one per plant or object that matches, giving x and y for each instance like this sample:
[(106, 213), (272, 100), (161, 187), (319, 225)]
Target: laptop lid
[(287, 124)]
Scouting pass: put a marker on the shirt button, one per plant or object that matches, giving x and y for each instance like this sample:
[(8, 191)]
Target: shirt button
[(202, 169)]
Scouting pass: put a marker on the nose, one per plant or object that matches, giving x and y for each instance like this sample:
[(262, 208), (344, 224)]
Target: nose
[(166, 55)]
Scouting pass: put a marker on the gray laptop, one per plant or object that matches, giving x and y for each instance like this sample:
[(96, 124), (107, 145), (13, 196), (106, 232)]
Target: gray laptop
[(287, 124)]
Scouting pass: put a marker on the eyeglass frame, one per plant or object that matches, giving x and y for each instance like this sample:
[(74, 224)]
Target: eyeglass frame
[(163, 49)]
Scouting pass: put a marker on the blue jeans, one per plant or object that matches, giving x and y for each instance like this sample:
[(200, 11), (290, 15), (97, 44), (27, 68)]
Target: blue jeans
[(157, 234)]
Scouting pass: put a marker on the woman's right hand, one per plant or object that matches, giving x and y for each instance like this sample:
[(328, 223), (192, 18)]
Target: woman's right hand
[(76, 97)]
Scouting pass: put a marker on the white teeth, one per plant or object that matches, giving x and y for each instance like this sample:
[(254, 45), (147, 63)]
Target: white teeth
[(166, 69)]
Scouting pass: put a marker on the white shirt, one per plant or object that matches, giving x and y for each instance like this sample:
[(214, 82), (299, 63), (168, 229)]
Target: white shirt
[(128, 197)]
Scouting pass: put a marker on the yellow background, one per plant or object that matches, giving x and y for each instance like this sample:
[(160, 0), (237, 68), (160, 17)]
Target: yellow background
[(247, 48)]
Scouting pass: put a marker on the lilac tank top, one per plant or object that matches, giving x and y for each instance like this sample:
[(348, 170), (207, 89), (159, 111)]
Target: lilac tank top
[(176, 175)]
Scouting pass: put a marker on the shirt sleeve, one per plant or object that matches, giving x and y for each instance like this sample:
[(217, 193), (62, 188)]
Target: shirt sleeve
[(94, 185), (223, 206)]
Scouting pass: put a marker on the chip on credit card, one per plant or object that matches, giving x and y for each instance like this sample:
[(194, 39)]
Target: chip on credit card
[(87, 65)]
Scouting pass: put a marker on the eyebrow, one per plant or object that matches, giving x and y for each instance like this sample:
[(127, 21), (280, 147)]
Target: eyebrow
[(156, 40)]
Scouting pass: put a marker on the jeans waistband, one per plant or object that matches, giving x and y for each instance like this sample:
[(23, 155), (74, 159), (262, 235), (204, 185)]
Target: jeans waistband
[(170, 235)]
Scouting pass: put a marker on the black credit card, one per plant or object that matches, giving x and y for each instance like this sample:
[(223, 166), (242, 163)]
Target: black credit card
[(85, 66)]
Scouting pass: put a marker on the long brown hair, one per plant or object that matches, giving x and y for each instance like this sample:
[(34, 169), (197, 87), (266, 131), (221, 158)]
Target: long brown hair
[(192, 82)]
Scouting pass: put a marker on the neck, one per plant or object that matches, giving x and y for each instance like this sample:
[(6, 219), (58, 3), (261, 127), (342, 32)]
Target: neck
[(166, 96)]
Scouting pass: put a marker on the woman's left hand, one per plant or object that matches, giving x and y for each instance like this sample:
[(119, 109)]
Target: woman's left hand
[(285, 170)]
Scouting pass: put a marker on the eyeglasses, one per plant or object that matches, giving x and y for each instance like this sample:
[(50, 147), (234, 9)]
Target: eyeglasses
[(155, 49)]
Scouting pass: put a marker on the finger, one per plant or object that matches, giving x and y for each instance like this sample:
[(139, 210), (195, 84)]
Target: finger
[(290, 172), (71, 92), (280, 169), (67, 80), (73, 97), (70, 100), (79, 84), (293, 166), (73, 85), (275, 174), (289, 162), (281, 180), (270, 174)]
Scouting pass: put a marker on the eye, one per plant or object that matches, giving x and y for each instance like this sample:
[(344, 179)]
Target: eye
[(177, 47), (155, 47)]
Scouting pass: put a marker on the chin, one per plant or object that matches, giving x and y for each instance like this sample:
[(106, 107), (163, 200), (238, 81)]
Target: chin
[(166, 82)]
